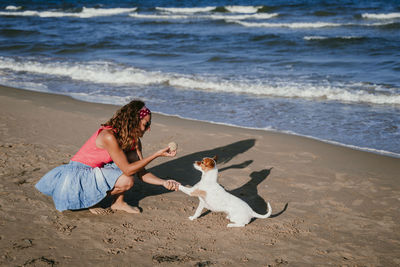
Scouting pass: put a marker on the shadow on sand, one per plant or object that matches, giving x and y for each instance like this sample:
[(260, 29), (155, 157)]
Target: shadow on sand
[(181, 169)]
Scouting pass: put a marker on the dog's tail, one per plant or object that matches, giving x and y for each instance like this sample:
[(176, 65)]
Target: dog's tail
[(260, 216)]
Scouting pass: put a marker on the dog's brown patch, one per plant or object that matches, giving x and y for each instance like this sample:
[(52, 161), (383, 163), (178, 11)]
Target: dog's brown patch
[(199, 193), (207, 163)]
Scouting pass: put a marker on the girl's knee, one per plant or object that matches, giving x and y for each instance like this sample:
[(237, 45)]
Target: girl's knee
[(124, 183), (130, 183)]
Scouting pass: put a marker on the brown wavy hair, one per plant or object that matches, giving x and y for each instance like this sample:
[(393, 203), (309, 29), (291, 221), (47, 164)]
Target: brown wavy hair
[(125, 123)]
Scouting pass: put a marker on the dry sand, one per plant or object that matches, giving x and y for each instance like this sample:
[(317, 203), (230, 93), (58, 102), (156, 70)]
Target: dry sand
[(332, 206)]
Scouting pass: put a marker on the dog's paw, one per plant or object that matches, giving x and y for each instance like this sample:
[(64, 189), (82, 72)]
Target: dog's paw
[(192, 218)]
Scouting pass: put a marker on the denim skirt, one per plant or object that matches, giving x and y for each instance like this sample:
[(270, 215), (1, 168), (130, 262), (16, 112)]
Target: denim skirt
[(77, 186)]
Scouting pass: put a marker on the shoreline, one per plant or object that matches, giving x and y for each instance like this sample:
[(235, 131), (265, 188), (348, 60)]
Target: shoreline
[(354, 147), (331, 205), (363, 149)]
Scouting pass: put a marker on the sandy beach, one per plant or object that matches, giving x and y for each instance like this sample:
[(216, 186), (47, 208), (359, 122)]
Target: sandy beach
[(331, 205)]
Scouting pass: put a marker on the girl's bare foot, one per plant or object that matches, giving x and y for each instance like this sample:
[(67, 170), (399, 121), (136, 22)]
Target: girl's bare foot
[(124, 207)]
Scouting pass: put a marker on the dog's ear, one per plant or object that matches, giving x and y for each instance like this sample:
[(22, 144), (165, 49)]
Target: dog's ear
[(215, 158)]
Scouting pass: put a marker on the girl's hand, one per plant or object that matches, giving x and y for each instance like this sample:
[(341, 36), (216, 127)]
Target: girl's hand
[(165, 152), (171, 185)]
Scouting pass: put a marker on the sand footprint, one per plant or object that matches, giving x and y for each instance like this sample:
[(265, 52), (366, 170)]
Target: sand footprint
[(23, 244)]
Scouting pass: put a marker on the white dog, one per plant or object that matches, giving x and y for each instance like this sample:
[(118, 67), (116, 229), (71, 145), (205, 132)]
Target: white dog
[(212, 196)]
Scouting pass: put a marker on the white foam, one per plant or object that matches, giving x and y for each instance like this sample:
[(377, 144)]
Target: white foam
[(103, 99), (159, 17), (185, 9), (85, 13), (96, 72), (288, 90), (302, 25), (295, 25), (111, 73), (238, 18), (243, 9), (232, 9), (243, 17), (13, 7), (204, 17), (7, 80), (24, 13), (381, 16), (310, 38), (93, 12)]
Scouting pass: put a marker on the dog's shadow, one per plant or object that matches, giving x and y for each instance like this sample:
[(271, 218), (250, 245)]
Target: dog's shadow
[(249, 193), (181, 169)]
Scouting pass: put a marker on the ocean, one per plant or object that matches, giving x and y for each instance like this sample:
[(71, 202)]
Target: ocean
[(329, 70)]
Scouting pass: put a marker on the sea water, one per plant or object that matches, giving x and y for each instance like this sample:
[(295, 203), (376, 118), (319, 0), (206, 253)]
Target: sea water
[(329, 70)]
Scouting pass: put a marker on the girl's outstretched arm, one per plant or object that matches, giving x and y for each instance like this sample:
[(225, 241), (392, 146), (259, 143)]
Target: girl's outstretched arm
[(168, 184), (107, 140)]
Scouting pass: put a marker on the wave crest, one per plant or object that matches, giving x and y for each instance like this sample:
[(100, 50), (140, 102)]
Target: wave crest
[(186, 10), (84, 13), (243, 9), (110, 73), (232, 9), (381, 16), (178, 16), (13, 7), (295, 25)]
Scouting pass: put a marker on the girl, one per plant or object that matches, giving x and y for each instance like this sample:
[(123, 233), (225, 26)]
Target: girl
[(105, 165)]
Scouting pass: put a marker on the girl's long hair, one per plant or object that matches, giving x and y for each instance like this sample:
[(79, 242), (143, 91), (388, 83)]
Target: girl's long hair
[(125, 124)]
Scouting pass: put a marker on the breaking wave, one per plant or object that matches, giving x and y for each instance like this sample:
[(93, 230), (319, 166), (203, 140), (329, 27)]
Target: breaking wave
[(295, 25), (232, 9), (110, 73), (177, 16), (13, 8), (381, 16), (84, 13)]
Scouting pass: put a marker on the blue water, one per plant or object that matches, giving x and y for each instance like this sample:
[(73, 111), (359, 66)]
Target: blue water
[(325, 69)]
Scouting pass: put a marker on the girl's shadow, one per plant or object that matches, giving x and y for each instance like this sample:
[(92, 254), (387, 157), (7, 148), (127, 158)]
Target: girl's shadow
[(181, 169)]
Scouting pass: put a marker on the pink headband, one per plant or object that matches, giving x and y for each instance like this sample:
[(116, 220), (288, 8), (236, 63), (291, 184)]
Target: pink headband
[(144, 112)]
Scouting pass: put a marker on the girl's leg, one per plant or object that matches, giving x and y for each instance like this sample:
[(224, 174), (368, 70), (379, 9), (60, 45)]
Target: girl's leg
[(123, 184)]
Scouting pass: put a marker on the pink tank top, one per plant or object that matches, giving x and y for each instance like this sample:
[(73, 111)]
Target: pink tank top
[(90, 154)]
